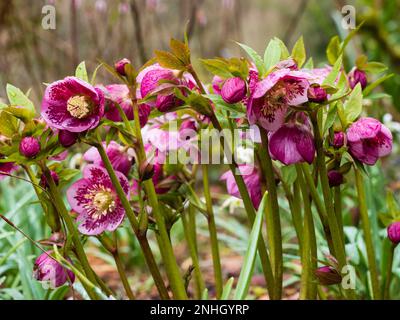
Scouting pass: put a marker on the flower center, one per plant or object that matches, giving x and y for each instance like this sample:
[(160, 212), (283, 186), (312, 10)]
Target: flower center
[(79, 106), (102, 202)]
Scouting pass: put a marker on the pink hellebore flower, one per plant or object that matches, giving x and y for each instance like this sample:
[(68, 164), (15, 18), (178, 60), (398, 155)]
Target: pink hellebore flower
[(233, 90), (273, 95), (393, 232), (292, 143), (72, 104), (95, 200), (6, 167), (369, 140), (119, 157), (252, 180), (47, 269), (357, 76), (120, 66), (149, 80), (119, 93), (29, 147)]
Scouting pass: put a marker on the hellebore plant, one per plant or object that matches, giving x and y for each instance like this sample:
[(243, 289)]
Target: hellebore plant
[(312, 132)]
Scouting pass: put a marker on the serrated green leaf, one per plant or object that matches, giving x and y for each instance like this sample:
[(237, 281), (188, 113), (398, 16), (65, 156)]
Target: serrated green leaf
[(272, 54), (353, 106), (284, 50), (180, 50), (81, 72), (258, 61), (169, 60), (299, 52), (333, 49), (217, 67)]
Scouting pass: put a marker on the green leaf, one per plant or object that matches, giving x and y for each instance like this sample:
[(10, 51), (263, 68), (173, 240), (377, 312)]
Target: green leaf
[(180, 50), (226, 291), (353, 106), (330, 118), (331, 77), (169, 60), (21, 106), (374, 67), (299, 52), (333, 49), (236, 110), (8, 124), (258, 61), (284, 50), (217, 67), (250, 257), (81, 72), (272, 54), (289, 174), (376, 83), (309, 64)]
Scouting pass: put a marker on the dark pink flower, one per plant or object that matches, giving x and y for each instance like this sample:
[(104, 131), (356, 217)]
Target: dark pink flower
[(357, 76), (369, 140), (327, 276), (393, 232), (252, 180), (119, 93), (29, 147), (67, 138), (316, 94), (7, 168), (120, 66), (150, 78), (48, 270), (335, 178), (339, 140), (272, 96), (95, 200), (44, 182), (233, 90), (118, 155), (292, 143), (72, 104)]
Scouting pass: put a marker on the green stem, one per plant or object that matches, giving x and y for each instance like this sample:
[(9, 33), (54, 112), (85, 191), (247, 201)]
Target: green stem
[(338, 244), (389, 266), (338, 209), (141, 236), (122, 274), (366, 225), (273, 218), (213, 233)]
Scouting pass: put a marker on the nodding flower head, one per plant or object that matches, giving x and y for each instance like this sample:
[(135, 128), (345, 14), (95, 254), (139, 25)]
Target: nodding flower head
[(335, 178), (47, 269), (393, 232), (368, 140), (120, 66), (271, 97), (95, 200), (73, 105), (29, 147), (357, 76), (316, 94), (233, 90), (67, 138)]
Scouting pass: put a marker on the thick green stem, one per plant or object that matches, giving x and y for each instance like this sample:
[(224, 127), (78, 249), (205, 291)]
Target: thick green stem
[(141, 236), (366, 225), (389, 266), (213, 233), (338, 244), (338, 209), (273, 219)]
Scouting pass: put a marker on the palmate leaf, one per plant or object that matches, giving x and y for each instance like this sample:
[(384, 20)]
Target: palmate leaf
[(250, 257)]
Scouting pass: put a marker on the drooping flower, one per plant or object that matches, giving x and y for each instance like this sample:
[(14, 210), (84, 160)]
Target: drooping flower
[(120, 66), (369, 140), (67, 138), (149, 80), (119, 93), (393, 232), (273, 95), (47, 269), (292, 143), (251, 177), (119, 157), (357, 76), (72, 104), (327, 276), (95, 200), (233, 90), (29, 147)]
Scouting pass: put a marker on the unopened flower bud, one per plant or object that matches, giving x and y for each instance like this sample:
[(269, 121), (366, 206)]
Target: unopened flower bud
[(339, 140), (357, 76), (120, 66), (233, 90), (327, 276), (29, 147), (335, 178), (316, 94), (67, 138), (393, 232), (44, 183), (146, 171)]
